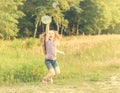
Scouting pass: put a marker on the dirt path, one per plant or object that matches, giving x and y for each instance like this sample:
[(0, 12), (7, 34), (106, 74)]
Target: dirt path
[(38, 89), (111, 86)]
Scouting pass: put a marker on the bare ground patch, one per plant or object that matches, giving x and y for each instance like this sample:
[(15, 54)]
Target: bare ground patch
[(111, 86)]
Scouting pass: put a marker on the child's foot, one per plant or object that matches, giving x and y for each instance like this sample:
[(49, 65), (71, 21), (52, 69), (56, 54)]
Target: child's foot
[(51, 81), (44, 82)]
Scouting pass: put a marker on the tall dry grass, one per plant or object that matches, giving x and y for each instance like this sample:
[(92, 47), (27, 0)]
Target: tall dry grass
[(91, 58)]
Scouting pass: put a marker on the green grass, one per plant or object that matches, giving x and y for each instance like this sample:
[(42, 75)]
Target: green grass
[(91, 65), (87, 58)]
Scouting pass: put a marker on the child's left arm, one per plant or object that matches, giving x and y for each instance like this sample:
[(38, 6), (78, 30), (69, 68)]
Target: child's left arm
[(60, 52)]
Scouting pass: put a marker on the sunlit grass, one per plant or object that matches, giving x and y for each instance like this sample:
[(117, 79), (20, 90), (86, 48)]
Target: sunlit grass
[(87, 58)]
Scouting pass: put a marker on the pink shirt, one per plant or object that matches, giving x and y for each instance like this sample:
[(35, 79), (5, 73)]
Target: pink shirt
[(50, 50)]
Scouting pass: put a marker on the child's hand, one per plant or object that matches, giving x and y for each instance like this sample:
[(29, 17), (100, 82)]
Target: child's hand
[(62, 53)]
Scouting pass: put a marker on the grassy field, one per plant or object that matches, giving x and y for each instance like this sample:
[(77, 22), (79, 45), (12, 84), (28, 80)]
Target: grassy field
[(91, 65)]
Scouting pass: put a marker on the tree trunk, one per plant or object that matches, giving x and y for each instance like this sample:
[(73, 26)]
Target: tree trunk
[(99, 31), (43, 28), (77, 30), (36, 26), (57, 27), (61, 30)]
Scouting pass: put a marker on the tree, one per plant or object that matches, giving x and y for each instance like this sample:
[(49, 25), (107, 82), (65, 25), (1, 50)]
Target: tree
[(27, 22), (73, 16), (9, 15), (56, 13), (114, 10), (99, 15), (93, 19)]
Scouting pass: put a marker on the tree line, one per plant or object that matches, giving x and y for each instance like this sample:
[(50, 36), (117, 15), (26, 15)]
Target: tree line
[(22, 18)]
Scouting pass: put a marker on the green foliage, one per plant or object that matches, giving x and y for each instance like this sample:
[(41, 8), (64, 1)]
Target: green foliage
[(30, 43), (9, 14), (97, 16), (73, 15), (28, 72), (22, 18)]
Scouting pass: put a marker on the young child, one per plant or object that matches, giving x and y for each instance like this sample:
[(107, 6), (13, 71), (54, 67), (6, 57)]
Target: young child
[(49, 40)]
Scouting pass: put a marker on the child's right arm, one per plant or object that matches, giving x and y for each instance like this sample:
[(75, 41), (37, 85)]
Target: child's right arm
[(47, 28)]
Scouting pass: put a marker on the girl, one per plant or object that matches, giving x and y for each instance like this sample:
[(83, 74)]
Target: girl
[(49, 40)]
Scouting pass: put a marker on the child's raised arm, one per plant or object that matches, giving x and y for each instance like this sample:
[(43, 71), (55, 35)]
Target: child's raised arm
[(47, 28)]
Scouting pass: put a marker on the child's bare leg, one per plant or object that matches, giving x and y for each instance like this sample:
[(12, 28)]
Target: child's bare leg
[(57, 70), (49, 76)]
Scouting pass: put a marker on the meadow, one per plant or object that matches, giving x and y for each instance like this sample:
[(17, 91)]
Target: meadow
[(91, 64)]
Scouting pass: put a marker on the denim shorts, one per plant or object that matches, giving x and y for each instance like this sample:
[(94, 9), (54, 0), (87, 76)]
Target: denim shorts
[(51, 63)]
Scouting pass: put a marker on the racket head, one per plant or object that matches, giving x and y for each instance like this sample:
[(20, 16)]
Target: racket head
[(46, 19)]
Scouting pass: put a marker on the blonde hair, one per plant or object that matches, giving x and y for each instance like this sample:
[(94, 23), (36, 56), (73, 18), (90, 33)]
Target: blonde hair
[(43, 39)]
